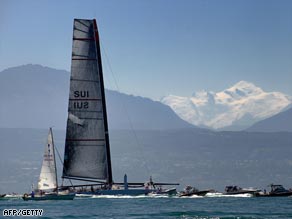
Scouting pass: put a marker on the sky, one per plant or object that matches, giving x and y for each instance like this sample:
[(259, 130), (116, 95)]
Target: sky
[(154, 48)]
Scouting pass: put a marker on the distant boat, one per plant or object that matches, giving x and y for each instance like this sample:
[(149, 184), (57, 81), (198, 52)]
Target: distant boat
[(2, 195), (169, 192), (48, 184), (87, 156), (276, 190), (236, 190), (190, 191), (12, 196)]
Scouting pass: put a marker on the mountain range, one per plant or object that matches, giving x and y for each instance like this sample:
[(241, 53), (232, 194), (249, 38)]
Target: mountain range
[(34, 96), (281, 122), (235, 108)]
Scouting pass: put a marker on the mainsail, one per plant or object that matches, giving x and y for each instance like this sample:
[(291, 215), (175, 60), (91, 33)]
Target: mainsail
[(87, 151), (48, 176)]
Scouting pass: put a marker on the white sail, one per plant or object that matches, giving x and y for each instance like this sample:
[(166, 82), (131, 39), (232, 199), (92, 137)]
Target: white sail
[(48, 175)]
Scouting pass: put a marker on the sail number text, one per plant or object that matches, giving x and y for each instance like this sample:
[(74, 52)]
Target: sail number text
[(81, 104)]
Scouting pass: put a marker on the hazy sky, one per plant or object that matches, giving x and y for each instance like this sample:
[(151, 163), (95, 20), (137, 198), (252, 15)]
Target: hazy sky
[(159, 47)]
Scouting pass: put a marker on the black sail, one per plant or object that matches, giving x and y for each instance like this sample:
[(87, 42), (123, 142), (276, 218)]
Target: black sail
[(87, 151)]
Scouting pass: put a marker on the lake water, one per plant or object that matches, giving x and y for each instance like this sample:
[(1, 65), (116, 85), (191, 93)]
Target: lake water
[(158, 207)]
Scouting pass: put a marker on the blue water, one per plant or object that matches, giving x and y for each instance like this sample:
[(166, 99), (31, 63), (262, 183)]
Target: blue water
[(138, 208)]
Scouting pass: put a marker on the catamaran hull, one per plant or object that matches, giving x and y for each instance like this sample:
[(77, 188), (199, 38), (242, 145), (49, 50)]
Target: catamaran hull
[(49, 197), (124, 192)]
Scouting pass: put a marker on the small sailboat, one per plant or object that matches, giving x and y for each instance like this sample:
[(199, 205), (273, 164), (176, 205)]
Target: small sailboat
[(87, 156), (47, 188)]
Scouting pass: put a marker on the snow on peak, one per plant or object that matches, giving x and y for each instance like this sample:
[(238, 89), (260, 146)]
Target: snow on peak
[(242, 104), (244, 85), (203, 97), (244, 88), (203, 94)]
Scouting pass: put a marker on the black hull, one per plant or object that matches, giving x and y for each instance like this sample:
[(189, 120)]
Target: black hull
[(199, 193), (127, 192), (49, 197), (284, 194)]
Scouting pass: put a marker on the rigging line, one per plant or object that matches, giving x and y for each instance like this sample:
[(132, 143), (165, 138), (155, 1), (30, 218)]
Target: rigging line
[(125, 110), (62, 163)]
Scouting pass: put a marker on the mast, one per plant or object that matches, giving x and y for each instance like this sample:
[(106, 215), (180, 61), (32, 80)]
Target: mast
[(51, 132), (108, 153)]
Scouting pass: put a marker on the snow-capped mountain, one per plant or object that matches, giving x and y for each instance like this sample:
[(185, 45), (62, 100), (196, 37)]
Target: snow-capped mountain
[(239, 106)]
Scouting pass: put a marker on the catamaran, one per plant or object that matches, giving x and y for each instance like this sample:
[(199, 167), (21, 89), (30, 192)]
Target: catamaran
[(47, 188), (87, 156)]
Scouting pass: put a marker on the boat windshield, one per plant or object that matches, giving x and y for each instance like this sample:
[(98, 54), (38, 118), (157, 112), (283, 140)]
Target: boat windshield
[(278, 188), (232, 188)]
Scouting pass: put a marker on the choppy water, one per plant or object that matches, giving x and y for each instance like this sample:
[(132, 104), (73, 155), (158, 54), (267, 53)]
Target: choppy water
[(215, 207)]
